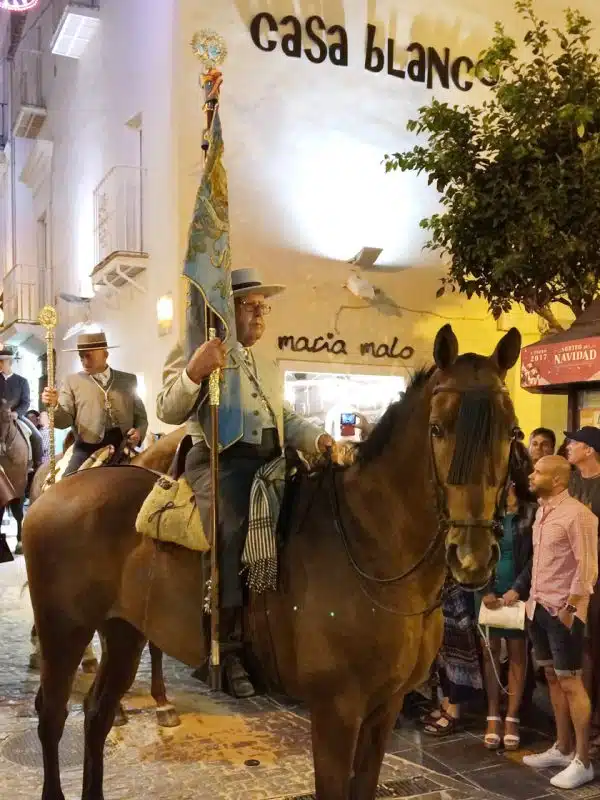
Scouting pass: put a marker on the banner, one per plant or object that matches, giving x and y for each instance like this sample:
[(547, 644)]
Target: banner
[(556, 364)]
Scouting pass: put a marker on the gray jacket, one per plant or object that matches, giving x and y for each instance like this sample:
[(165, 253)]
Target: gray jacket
[(178, 398), (81, 405)]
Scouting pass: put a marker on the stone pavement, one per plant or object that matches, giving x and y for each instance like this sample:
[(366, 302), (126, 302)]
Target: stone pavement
[(223, 749)]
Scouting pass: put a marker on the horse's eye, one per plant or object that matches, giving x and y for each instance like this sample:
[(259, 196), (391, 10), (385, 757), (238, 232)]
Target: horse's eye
[(436, 430)]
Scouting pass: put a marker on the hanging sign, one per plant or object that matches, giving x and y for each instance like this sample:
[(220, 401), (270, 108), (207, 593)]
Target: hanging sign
[(555, 364), (18, 5)]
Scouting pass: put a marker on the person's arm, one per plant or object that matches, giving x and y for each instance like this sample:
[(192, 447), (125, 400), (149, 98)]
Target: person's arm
[(24, 400), (299, 432), (65, 412), (140, 417), (583, 537), (182, 382)]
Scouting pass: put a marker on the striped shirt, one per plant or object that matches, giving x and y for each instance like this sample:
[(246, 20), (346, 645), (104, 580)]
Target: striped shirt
[(565, 555)]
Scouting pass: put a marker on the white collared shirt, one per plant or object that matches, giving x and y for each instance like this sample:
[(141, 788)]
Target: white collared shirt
[(103, 377)]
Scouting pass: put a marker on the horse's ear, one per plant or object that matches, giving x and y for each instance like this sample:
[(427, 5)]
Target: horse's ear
[(445, 347), (507, 351)]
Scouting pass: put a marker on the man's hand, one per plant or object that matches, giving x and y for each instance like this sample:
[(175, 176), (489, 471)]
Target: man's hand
[(14, 415), (324, 442), (50, 396), (492, 602), (511, 597), (134, 437), (207, 358), (566, 617)]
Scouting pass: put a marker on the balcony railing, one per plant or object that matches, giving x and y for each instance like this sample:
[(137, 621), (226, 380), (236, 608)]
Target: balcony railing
[(118, 212), (24, 289)]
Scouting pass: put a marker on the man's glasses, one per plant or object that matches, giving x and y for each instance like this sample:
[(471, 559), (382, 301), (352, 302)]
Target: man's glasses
[(257, 309)]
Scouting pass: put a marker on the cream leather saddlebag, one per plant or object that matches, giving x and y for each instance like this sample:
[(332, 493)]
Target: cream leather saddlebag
[(509, 617), (170, 514)]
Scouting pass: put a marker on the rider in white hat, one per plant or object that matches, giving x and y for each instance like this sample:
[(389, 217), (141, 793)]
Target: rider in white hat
[(253, 426)]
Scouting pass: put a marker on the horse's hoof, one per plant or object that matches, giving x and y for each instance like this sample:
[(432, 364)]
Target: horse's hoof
[(90, 666), (19, 549), (34, 661), (167, 716), (121, 718)]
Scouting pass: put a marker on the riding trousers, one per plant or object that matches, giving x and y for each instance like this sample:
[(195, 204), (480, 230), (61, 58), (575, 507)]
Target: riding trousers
[(83, 450), (237, 467), (37, 445)]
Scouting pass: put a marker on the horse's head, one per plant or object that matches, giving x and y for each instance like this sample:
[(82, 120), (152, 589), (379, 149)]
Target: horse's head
[(5, 414), (472, 426)]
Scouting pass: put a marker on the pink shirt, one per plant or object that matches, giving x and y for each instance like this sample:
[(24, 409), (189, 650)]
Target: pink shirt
[(565, 554)]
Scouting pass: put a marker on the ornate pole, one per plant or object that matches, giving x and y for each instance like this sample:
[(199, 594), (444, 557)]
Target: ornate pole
[(48, 319), (210, 49)]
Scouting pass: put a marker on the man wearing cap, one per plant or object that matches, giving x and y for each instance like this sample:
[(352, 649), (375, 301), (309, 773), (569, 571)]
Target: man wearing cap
[(254, 423), (583, 453), (101, 404), (15, 390)]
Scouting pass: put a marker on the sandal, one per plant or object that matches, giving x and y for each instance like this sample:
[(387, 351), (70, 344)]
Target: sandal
[(512, 741), (440, 724), (492, 741)]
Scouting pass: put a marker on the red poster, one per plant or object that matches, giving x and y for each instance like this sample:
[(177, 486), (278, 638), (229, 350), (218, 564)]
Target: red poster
[(577, 361)]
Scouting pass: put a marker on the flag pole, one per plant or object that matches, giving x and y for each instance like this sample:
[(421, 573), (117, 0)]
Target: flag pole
[(210, 48), (48, 319)]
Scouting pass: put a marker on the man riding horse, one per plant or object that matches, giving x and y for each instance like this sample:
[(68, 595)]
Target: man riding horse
[(263, 423), (15, 390), (99, 403)]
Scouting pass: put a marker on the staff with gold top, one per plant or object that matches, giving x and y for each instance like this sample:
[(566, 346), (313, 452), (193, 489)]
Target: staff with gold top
[(48, 320)]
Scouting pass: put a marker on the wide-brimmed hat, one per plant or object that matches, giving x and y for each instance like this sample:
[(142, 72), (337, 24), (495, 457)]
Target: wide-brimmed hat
[(6, 352), (90, 341), (587, 435), (244, 281)]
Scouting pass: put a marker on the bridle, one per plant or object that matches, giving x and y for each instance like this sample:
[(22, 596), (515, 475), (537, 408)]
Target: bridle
[(444, 520)]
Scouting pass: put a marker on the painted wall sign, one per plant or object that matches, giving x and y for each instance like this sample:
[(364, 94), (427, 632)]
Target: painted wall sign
[(330, 42), (18, 5), (337, 347), (575, 361)]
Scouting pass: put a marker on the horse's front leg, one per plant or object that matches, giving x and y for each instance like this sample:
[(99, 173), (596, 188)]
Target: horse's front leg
[(335, 724), (370, 750), (16, 508), (166, 715)]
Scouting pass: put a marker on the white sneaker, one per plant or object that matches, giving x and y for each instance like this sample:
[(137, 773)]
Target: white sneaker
[(549, 758), (573, 776)]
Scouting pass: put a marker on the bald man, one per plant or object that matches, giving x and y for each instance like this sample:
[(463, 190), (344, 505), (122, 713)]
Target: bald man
[(564, 571)]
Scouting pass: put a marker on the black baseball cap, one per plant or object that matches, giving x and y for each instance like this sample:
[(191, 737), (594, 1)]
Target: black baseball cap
[(588, 435)]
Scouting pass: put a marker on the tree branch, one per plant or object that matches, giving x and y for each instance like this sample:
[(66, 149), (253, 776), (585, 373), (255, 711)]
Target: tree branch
[(547, 315)]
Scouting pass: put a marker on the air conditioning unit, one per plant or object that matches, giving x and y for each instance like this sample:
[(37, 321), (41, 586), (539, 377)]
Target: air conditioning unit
[(29, 121)]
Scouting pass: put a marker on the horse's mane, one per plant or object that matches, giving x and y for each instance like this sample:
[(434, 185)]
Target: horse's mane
[(396, 415)]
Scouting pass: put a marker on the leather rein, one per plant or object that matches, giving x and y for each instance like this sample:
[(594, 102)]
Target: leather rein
[(444, 523)]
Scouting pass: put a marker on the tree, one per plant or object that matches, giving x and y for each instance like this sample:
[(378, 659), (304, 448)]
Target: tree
[(519, 177)]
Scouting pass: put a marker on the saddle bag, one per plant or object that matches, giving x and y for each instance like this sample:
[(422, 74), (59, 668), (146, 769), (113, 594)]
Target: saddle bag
[(170, 514)]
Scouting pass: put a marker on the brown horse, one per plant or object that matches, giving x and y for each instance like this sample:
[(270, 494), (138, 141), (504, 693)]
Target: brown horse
[(158, 457), (355, 623), (14, 460)]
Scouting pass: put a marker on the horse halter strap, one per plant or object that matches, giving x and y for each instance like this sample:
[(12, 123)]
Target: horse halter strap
[(445, 521)]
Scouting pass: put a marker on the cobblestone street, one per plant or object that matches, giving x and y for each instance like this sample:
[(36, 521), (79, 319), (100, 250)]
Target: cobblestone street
[(223, 749)]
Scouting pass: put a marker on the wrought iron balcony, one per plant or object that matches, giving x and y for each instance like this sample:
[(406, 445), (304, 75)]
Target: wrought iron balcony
[(24, 294), (119, 227)]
